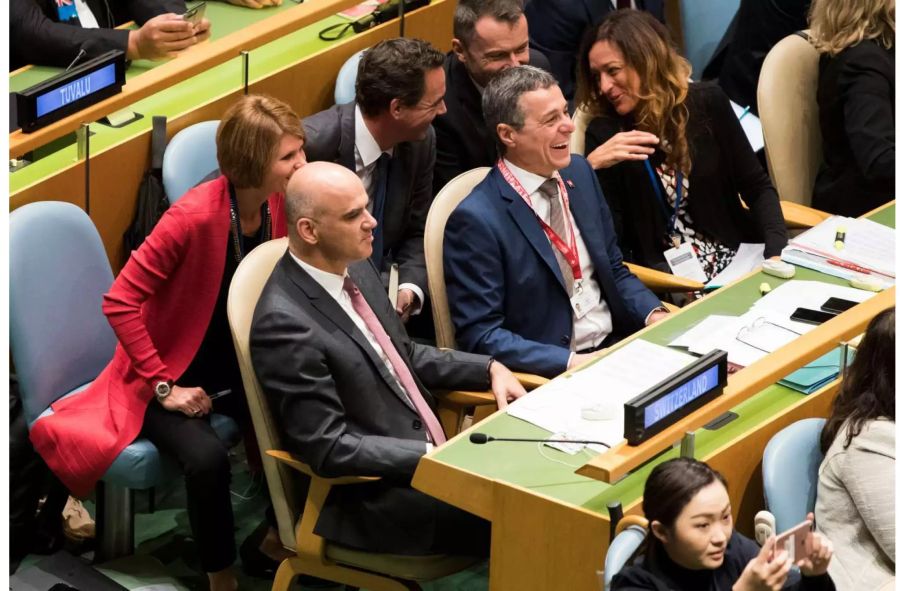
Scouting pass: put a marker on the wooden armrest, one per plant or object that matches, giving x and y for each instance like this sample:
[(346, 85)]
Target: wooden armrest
[(289, 459), (630, 520), (466, 398), (530, 381), (801, 216), (665, 282), (670, 306)]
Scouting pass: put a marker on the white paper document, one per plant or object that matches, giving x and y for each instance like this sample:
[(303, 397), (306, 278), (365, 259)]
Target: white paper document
[(608, 383), (767, 326), (866, 243), (747, 258)]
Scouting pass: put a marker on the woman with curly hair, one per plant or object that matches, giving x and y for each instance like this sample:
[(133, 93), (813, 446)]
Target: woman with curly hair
[(855, 502), (856, 103), (670, 154)]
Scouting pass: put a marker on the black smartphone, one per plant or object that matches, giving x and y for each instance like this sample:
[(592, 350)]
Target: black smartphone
[(195, 14), (810, 316), (837, 305)]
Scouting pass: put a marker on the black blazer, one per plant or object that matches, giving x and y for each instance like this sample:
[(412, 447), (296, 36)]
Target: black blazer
[(556, 28), (463, 140), (35, 36), (856, 115), (724, 167), (341, 411), (331, 136)]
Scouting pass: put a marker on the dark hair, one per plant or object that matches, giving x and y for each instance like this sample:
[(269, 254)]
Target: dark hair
[(468, 12), (394, 68), (868, 389), (669, 488), (647, 48), (500, 101)]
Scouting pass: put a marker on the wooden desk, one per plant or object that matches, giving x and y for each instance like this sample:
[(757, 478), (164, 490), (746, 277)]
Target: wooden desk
[(297, 68), (550, 525)]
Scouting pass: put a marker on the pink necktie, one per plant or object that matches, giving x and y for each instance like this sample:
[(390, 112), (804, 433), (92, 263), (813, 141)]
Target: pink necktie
[(403, 374)]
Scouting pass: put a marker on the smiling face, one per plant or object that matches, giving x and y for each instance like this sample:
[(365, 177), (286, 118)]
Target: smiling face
[(541, 146), (287, 158), (495, 46), (616, 81), (414, 120), (698, 538)]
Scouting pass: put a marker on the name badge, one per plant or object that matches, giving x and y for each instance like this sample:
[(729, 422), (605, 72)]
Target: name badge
[(683, 261), (582, 302)]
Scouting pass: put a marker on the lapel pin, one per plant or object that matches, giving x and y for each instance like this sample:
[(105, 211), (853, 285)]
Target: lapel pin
[(570, 183)]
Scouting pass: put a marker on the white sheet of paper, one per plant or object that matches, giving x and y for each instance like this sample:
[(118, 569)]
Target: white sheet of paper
[(867, 243), (751, 125), (614, 380), (794, 294), (747, 258)]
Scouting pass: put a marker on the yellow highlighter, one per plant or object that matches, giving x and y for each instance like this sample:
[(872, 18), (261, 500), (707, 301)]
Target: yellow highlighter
[(839, 237)]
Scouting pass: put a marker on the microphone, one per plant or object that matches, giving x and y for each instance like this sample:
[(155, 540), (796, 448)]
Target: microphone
[(481, 438), (81, 54)]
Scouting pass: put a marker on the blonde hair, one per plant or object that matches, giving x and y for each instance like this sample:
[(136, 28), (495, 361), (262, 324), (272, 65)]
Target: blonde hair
[(249, 135), (836, 25), (664, 76)]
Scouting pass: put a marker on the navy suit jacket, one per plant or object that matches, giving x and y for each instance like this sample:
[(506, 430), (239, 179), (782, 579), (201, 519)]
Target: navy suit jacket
[(506, 293)]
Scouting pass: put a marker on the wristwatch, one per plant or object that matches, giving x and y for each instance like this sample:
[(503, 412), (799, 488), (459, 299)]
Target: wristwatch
[(162, 389)]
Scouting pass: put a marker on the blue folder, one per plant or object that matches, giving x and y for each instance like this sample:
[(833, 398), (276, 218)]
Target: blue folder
[(811, 377)]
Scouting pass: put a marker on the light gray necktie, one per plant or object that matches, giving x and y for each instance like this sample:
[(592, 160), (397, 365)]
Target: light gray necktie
[(557, 222)]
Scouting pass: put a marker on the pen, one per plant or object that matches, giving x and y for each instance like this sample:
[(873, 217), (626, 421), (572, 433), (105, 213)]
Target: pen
[(846, 265), (219, 394), (744, 112), (840, 236)]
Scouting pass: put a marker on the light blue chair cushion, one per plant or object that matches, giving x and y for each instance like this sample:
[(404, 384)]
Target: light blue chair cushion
[(345, 86), (58, 273), (703, 24), (790, 470), (189, 157), (622, 548)]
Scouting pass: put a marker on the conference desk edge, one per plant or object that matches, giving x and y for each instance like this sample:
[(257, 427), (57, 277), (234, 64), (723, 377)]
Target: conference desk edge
[(190, 62), (623, 458)]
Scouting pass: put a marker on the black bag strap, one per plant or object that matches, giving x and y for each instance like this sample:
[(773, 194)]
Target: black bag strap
[(158, 142)]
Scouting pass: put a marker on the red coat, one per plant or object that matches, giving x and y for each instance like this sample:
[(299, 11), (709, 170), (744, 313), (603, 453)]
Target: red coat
[(160, 307)]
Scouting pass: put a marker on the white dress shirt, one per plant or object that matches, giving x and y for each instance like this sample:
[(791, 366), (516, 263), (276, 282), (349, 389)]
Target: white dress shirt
[(589, 330), (367, 151), (334, 286)]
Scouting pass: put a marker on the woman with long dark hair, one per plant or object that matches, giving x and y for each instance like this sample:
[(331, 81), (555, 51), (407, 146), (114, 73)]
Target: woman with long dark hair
[(684, 192), (855, 503), (692, 545)]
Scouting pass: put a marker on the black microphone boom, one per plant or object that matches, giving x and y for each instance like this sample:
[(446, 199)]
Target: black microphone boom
[(481, 438)]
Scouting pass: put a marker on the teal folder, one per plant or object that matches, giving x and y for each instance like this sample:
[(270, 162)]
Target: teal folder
[(811, 377)]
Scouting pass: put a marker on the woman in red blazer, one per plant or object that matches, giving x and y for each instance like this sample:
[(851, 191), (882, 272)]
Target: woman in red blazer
[(167, 307)]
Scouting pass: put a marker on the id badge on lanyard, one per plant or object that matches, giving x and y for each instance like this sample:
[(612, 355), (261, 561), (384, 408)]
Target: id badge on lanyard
[(580, 300)]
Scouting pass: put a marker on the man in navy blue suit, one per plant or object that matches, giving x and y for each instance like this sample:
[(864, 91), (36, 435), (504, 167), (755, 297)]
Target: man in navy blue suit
[(534, 276)]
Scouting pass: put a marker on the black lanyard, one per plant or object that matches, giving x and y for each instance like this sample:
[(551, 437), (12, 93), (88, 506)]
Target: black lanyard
[(236, 235), (670, 226)]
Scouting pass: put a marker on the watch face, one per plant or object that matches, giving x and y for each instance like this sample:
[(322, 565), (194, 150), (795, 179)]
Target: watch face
[(162, 389)]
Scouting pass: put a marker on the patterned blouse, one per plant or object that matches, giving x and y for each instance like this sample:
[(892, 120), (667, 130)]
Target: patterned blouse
[(713, 255)]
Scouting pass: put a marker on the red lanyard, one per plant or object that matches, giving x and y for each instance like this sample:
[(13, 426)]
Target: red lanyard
[(570, 250)]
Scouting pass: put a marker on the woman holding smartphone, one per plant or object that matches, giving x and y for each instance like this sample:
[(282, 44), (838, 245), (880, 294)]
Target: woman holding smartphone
[(692, 545)]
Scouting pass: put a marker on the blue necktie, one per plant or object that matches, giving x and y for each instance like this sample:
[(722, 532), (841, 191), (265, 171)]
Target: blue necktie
[(380, 196)]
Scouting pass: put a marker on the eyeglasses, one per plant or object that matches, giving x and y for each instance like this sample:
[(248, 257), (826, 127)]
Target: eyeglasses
[(765, 331)]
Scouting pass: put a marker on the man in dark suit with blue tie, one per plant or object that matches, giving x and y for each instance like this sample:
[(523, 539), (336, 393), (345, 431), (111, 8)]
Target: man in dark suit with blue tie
[(385, 137), (533, 272)]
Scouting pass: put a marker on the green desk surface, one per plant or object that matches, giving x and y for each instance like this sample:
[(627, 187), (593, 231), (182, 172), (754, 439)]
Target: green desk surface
[(551, 472), (179, 98)]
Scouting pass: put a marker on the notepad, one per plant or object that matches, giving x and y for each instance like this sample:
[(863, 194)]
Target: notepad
[(866, 244)]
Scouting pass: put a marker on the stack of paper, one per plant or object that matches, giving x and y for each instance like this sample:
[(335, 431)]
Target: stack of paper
[(608, 383), (867, 249)]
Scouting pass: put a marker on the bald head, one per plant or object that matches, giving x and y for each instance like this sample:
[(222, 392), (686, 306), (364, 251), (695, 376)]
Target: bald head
[(328, 224), (314, 184)]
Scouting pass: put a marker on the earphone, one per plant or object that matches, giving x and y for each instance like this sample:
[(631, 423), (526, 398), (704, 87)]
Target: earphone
[(763, 527)]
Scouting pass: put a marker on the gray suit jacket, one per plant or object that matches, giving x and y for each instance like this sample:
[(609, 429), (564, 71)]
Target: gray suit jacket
[(340, 410), (331, 136)]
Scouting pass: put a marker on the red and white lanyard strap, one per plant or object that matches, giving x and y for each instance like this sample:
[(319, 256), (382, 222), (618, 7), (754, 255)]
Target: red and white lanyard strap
[(570, 250)]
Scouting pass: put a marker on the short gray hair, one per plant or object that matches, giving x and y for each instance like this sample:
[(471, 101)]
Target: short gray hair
[(500, 101)]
